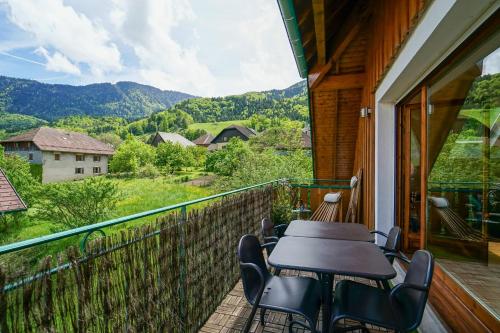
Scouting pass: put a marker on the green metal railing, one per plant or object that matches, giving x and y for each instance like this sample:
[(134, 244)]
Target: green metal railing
[(87, 231), (99, 226)]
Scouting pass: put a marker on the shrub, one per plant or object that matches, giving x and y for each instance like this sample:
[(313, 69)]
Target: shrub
[(131, 155), (75, 204), (148, 171)]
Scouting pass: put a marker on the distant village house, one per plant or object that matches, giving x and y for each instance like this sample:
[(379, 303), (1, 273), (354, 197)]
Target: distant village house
[(62, 155), (204, 141), (162, 137), (233, 131)]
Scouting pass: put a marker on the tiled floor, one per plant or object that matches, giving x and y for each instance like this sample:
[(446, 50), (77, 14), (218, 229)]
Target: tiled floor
[(232, 313)]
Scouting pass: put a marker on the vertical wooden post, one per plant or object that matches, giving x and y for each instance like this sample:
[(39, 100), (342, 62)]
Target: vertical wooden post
[(486, 172), (182, 266), (423, 166)]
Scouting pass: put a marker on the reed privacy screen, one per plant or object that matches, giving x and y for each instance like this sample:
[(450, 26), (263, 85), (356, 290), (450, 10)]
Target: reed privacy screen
[(166, 276)]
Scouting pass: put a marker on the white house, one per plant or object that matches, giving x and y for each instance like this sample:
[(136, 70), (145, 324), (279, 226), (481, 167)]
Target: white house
[(62, 155)]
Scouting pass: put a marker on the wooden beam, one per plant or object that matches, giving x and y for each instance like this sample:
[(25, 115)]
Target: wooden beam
[(319, 28), (304, 16), (319, 71), (345, 81)]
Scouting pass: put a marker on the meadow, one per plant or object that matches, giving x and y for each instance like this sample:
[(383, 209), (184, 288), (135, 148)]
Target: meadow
[(135, 195), (214, 128)]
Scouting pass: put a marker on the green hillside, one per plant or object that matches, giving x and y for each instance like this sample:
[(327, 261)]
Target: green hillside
[(290, 103), (215, 127), (11, 123), (54, 101)]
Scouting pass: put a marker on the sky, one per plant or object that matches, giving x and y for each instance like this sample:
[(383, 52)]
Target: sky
[(205, 48)]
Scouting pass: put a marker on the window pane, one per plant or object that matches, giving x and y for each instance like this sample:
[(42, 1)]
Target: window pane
[(464, 175)]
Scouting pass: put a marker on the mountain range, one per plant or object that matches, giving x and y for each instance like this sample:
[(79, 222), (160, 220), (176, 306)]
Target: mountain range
[(49, 102), (129, 100), (134, 108)]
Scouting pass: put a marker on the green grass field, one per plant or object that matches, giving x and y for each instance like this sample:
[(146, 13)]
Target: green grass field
[(136, 195), (215, 127)]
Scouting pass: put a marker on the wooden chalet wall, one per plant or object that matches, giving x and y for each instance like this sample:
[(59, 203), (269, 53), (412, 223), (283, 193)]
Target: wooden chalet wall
[(361, 52)]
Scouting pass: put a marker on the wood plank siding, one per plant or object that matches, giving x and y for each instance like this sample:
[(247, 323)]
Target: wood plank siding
[(358, 59), (361, 40)]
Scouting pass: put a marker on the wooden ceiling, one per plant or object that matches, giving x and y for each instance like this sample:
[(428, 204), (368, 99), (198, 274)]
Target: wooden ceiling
[(327, 27)]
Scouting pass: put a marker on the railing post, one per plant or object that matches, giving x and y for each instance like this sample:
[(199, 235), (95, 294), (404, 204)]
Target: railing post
[(182, 270)]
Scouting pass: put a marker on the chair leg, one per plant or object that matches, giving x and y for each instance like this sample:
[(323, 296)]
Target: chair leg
[(262, 314), (248, 324), (310, 325)]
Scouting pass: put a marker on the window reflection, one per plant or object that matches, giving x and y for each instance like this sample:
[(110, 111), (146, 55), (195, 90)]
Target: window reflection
[(464, 175)]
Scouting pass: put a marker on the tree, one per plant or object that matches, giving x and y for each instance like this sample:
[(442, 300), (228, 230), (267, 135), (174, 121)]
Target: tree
[(484, 92), (110, 138), (198, 156), (223, 162), (172, 156), (287, 136), (131, 155), (17, 170), (76, 204), (193, 134)]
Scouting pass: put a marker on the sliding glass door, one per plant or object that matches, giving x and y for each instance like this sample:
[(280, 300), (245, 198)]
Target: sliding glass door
[(464, 172)]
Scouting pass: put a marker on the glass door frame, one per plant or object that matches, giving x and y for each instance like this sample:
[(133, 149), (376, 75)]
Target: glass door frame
[(403, 159)]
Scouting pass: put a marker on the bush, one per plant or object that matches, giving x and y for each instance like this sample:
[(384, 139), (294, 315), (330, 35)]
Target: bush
[(76, 204), (131, 155), (148, 171), (225, 161), (172, 156), (282, 205), (18, 171)]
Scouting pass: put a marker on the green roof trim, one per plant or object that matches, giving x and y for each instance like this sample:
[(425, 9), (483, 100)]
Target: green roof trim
[(292, 29)]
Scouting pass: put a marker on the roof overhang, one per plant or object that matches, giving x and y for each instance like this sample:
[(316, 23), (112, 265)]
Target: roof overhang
[(287, 10)]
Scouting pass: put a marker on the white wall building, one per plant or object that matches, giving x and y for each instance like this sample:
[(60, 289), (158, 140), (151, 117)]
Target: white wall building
[(62, 155)]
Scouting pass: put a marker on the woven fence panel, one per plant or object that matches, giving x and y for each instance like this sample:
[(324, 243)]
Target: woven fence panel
[(211, 241), (165, 277)]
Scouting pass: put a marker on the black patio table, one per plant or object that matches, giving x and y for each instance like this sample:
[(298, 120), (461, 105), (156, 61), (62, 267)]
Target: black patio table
[(317, 229), (329, 257)]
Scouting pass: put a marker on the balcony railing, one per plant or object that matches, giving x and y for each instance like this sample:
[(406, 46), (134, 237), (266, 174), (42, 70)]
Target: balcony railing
[(168, 275)]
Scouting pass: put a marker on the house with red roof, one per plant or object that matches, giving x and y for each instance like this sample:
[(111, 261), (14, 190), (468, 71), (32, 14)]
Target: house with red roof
[(63, 155)]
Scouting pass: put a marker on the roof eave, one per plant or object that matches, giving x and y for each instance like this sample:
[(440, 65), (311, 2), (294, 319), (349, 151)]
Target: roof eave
[(287, 10)]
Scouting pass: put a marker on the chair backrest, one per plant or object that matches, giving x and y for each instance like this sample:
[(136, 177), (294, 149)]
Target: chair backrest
[(410, 302), (250, 252), (267, 228), (393, 239), (352, 210), (329, 208)]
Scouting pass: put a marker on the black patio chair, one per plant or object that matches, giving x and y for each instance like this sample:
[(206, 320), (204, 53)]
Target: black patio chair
[(392, 243), (400, 309), (291, 295), (271, 233)]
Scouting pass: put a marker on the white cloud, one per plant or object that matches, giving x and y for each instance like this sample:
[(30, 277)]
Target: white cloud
[(491, 64), (58, 62), (271, 63), (147, 27), (205, 48), (73, 35)]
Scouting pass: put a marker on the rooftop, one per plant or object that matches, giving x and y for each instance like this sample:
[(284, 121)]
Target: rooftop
[(175, 138), (9, 199), (52, 139), (205, 139)]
